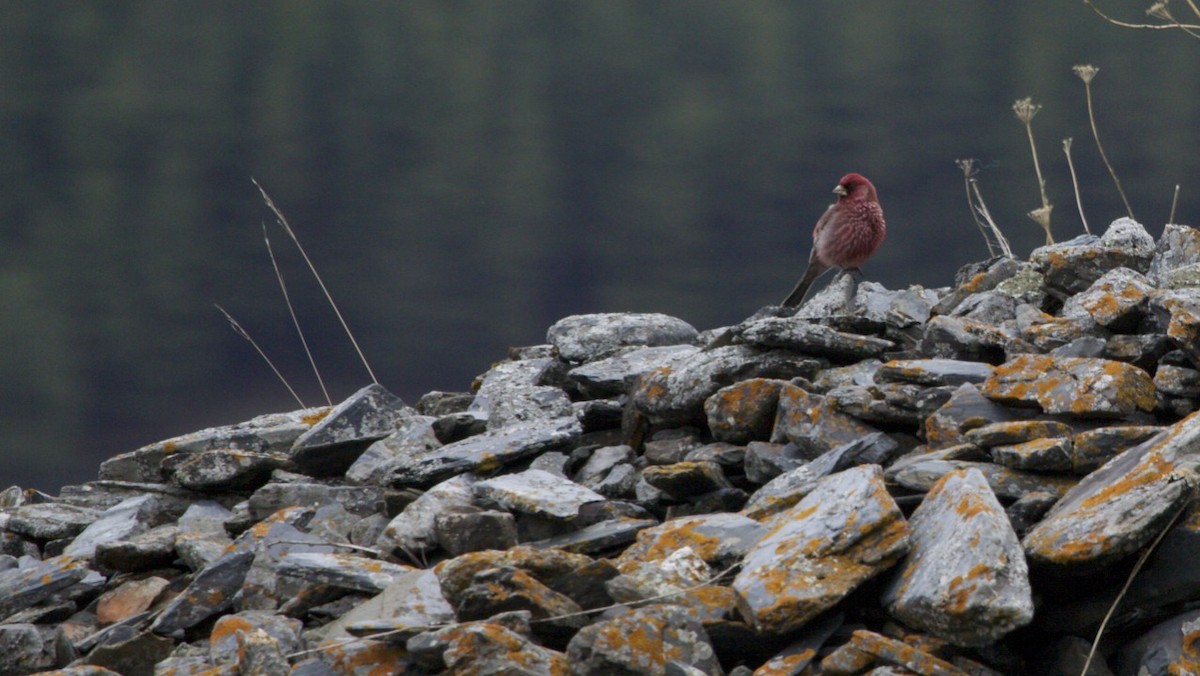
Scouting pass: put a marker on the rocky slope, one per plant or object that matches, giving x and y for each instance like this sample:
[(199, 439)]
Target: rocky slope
[(933, 481)]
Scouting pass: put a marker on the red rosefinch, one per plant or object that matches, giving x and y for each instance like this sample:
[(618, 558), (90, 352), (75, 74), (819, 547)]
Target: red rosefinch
[(848, 233)]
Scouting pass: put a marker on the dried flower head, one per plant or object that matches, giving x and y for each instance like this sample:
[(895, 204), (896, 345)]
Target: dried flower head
[(1025, 109), (1159, 10), (1086, 72), (1067, 145), (1042, 216), (967, 166)]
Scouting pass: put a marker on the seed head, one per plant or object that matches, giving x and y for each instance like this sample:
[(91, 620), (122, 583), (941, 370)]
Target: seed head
[(1025, 109), (1086, 72)]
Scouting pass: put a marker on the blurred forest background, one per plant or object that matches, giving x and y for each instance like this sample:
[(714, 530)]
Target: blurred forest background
[(465, 173)]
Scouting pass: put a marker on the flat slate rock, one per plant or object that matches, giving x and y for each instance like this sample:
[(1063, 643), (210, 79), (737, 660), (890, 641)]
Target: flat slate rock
[(615, 375), (338, 438), (847, 530), (1079, 386), (536, 492), (1119, 508), (970, 596), (485, 452), (583, 338), (810, 338)]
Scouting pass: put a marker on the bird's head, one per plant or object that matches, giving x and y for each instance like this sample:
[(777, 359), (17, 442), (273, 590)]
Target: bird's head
[(855, 187)]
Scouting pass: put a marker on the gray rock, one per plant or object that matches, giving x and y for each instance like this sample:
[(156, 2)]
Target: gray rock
[(50, 520), (30, 584), (512, 392), (584, 338), (765, 461), (1120, 507), (337, 439), (121, 521), (676, 394), (934, 372), (1116, 301), (23, 649), (134, 553), (965, 578), (719, 539), (413, 601), (413, 531), (921, 472), (597, 538), (462, 531), (1072, 266), (1178, 249), (486, 452), (615, 375), (299, 570), (376, 463), (810, 338), (226, 470), (271, 433), (536, 492), (813, 423), (210, 592), (603, 647), (812, 557), (685, 480), (361, 500)]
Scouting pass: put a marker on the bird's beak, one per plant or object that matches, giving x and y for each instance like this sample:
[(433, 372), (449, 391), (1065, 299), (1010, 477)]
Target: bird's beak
[(840, 190)]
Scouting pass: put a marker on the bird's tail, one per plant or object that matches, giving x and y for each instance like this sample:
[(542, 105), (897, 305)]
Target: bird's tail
[(796, 297)]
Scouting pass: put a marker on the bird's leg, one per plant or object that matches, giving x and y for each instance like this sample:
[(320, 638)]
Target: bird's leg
[(854, 275)]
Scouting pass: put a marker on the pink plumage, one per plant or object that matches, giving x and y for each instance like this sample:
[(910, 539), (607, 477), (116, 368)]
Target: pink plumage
[(849, 231)]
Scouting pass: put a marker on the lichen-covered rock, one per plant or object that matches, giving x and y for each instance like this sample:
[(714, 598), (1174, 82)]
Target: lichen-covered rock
[(617, 374), (847, 530), (675, 394), (1072, 266), (809, 338), (743, 411), (973, 595), (1117, 509), (1115, 301), (642, 641), (813, 423), (537, 492), (1082, 387), (583, 338), (335, 441)]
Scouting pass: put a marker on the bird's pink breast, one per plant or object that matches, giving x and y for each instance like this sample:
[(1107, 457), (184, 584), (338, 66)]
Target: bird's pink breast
[(852, 234)]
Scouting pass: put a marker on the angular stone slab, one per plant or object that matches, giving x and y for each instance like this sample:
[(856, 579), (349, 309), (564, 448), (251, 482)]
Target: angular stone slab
[(664, 634), (336, 441), (360, 500), (1095, 447), (120, 521), (413, 530), (1072, 266), (537, 492), (142, 551), (21, 588), (493, 649), (485, 452), (815, 339), (210, 592), (226, 470), (965, 410), (1082, 387), (675, 394), (1117, 509), (50, 520), (615, 375), (867, 648), (719, 539), (920, 473), (965, 578), (512, 392), (1039, 455), (583, 338), (813, 423), (340, 571), (375, 465), (933, 372), (598, 537), (547, 565), (846, 531), (274, 432), (1115, 301), (413, 601), (684, 480), (743, 411)]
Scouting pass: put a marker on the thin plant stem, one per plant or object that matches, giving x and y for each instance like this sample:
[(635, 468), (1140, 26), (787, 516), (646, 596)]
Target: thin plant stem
[(1137, 568), (1025, 110), (329, 297), (1174, 203), (1160, 10), (979, 213), (1087, 87), (987, 216), (1125, 24), (1075, 183), (292, 311), (237, 328)]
